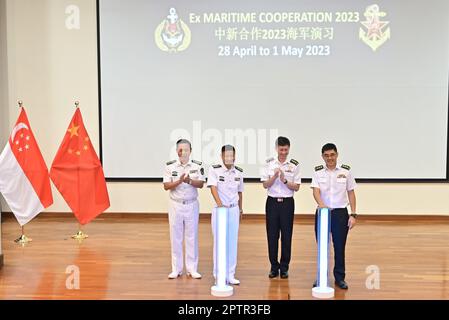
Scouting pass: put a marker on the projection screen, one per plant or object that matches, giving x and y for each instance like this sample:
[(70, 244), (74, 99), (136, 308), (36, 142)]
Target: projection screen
[(369, 76)]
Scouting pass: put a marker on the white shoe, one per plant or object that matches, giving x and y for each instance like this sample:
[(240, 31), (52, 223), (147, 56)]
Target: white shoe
[(194, 275), (234, 281), (174, 275)]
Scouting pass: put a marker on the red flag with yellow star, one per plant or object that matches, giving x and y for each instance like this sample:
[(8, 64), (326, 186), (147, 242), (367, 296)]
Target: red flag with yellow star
[(78, 175)]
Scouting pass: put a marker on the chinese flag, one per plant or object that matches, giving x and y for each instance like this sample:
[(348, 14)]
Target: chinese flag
[(77, 173)]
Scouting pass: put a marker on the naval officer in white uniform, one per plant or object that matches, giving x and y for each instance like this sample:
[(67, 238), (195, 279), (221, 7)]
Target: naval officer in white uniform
[(183, 177), (281, 178), (334, 188), (226, 183)]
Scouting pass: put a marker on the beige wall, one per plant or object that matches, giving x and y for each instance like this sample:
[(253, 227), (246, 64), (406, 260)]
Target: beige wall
[(49, 67), (4, 116), (3, 90)]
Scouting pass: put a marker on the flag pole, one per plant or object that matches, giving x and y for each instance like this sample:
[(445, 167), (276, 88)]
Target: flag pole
[(80, 235), (23, 239)]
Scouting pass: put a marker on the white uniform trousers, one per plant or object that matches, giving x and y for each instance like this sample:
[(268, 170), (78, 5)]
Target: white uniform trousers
[(183, 219), (233, 235)]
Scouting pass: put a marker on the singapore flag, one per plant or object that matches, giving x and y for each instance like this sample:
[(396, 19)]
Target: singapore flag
[(24, 178)]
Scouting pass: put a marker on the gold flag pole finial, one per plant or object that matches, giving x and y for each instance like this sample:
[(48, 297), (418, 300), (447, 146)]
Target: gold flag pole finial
[(80, 235), (77, 104), (20, 103), (23, 239)]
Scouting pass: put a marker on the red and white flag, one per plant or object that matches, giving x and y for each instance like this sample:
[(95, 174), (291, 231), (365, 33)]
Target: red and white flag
[(24, 178)]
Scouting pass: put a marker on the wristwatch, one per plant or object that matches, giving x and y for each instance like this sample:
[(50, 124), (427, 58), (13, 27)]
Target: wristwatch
[(354, 215)]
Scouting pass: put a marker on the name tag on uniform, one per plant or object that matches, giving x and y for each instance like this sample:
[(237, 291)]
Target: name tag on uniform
[(341, 178), (174, 174), (193, 171), (323, 179), (237, 179), (221, 178)]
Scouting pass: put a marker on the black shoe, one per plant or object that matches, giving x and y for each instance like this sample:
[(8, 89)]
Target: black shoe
[(342, 284), (315, 284), (284, 275), (273, 274)]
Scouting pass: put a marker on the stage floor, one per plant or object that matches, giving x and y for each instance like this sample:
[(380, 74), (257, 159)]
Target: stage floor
[(129, 258)]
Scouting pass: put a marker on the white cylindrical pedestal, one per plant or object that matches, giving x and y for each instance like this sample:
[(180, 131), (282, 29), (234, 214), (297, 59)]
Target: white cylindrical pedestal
[(323, 290), (221, 288)]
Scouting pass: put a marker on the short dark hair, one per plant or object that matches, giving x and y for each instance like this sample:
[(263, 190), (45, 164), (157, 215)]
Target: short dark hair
[(327, 147), (181, 141), (227, 147), (282, 141)]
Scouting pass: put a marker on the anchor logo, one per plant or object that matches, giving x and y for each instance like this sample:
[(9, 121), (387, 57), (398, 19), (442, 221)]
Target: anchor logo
[(375, 35), (172, 34)]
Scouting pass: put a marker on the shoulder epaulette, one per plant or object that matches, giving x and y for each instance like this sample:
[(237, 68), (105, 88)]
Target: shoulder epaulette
[(238, 168), (294, 162), (345, 166), (216, 166), (270, 159), (171, 162), (197, 162), (318, 168)]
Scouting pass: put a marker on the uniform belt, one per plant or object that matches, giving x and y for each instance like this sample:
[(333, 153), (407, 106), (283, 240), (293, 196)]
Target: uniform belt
[(231, 205), (280, 199), (335, 209), (183, 201)]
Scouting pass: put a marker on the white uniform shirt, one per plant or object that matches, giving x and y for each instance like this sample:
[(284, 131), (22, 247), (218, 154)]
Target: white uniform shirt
[(291, 172), (334, 185), (174, 170), (229, 183)]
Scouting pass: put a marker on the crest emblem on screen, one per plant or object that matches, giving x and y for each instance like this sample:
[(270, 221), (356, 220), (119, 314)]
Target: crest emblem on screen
[(374, 33), (172, 34)]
